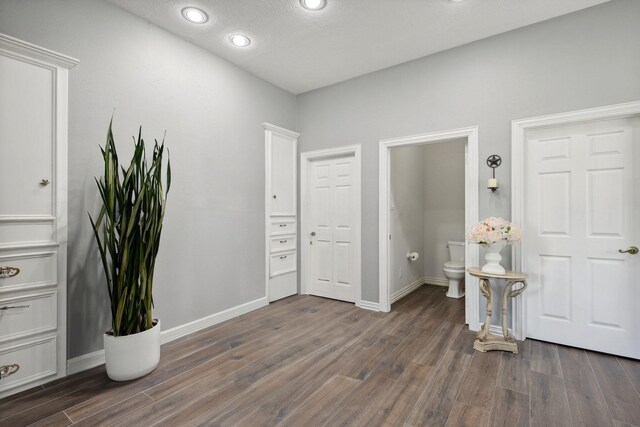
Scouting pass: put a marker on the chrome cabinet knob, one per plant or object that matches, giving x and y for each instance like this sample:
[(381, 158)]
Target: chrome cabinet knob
[(313, 233), (44, 182)]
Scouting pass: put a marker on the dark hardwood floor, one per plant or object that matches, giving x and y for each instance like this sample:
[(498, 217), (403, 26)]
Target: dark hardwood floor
[(308, 361)]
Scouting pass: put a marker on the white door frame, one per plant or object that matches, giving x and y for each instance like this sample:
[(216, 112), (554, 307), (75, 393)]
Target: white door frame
[(472, 252), (518, 164), (305, 160)]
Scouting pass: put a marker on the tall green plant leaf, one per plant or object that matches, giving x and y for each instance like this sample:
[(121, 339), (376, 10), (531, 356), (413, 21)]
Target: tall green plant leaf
[(128, 230)]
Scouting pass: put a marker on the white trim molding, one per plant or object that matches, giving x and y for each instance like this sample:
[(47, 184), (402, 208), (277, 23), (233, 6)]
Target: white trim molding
[(472, 252), (368, 305), (91, 360), (211, 320), (305, 160), (33, 51), (497, 330), (278, 129), (437, 281), (407, 290), (84, 362), (519, 128)]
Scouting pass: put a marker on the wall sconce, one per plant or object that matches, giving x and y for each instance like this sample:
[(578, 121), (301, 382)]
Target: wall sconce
[(493, 161)]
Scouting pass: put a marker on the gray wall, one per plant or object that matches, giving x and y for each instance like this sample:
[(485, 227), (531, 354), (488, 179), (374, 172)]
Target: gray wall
[(585, 59), (212, 251), (406, 215), (212, 113), (443, 206)]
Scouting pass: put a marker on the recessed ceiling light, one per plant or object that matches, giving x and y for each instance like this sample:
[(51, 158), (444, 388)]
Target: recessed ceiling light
[(239, 40), (195, 15), (313, 4)]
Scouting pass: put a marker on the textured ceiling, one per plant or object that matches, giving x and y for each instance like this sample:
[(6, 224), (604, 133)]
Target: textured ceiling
[(300, 50)]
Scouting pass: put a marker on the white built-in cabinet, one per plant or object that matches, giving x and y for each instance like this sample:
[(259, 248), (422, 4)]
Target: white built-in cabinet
[(33, 214), (281, 207)]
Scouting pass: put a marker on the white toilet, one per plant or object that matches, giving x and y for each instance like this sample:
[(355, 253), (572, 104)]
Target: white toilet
[(454, 269)]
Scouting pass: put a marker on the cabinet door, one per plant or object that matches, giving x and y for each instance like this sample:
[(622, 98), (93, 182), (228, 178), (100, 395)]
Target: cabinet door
[(283, 175), (26, 139)]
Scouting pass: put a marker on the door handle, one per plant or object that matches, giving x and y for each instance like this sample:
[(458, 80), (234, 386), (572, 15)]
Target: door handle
[(633, 250), (313, 233)]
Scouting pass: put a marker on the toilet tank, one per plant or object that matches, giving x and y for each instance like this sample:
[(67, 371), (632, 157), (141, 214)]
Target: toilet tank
[(456, 250)]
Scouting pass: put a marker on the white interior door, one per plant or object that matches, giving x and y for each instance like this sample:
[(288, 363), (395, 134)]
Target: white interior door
[(582, 205), (332, 221)]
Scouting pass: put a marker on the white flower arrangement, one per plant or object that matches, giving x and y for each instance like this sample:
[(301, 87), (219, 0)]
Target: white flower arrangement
[(492, 230)]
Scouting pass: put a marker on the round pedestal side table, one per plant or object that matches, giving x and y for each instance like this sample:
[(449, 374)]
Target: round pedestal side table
[(487, 341)]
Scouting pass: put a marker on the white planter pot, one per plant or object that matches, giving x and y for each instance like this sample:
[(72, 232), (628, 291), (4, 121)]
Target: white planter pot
[(493, 258), (132, 356)]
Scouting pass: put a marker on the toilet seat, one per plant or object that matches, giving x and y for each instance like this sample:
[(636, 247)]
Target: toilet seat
[(454, 265)]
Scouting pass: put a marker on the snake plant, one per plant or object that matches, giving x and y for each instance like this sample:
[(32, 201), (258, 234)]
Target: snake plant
[(128, 230)]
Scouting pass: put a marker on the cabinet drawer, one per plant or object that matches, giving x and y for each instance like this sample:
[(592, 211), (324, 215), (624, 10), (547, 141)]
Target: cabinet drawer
[(37, 360), (28, 314), (17, 231), (283, 243), (36, 268), (281, 263), (283, 226)]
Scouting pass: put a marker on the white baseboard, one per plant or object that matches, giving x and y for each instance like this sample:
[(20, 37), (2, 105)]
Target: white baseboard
[(90, 360), (438, 281), (214, 319), (368, 305), (497, 330), (407, 290), (84, 362)]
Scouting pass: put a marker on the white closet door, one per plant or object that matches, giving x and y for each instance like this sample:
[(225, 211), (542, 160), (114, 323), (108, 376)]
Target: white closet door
[(283, 175), (332, 220), (26, 137), (582, 206)]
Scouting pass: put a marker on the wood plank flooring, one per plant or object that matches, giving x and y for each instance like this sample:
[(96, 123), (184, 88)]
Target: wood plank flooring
[(308, 361)]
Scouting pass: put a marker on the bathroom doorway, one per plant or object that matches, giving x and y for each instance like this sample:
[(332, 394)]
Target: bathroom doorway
[(428, 198)]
